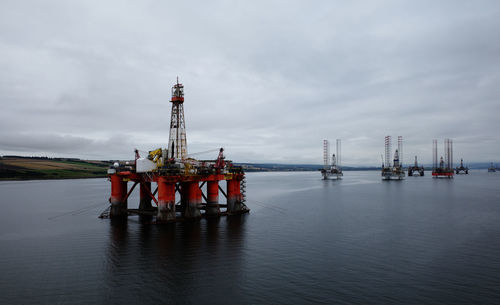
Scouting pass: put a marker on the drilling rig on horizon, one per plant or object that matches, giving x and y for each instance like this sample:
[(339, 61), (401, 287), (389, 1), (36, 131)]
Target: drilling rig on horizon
[(333, 170), (445, 167), (395, 170)]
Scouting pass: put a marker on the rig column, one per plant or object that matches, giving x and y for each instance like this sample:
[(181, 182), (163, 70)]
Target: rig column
[(234, 204), (118, 197), (145, 199), (166, 200), (212, 208), (191, 199)]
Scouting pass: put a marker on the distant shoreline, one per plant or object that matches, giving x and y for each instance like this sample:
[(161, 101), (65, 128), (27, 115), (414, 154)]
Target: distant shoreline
[(45, 179), (14, 168), (19, 168)]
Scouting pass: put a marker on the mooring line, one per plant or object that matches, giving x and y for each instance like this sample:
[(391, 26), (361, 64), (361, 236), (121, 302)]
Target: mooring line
[(75, 212), (266, 205)]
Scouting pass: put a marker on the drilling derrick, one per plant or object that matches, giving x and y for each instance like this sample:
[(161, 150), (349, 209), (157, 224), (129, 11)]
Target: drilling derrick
[(445, 167), (177, 140), (393, 171), (396, 159)]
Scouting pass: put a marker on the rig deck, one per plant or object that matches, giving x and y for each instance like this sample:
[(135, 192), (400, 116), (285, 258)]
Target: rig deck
[(193, 202)]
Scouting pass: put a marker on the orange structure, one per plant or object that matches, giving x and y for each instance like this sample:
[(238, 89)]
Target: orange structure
[(185, 188)]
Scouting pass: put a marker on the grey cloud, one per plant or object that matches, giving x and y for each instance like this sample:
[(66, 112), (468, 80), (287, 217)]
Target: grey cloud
[(267, 80)]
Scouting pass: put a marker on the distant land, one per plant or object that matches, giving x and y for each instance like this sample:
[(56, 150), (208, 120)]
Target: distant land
[(32, 168), (277, 167)]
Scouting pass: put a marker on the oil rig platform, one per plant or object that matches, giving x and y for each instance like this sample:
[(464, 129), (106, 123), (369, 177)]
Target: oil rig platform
[(395, 170), (445, 167), (197, 183), (333, 171), (492, 168), (462, 169), (419, 170)]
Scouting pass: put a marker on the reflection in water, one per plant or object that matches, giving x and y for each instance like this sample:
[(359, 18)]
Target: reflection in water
[(119, 238), (181, 262)]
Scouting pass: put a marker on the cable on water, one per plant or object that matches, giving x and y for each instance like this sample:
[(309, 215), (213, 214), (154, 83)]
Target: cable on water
[(269, 206), (75, 212)]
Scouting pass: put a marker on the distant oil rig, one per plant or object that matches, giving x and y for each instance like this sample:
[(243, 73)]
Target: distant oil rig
[(419, 170), (445, 167), (174, 172), (462, 169), (333, 170), (395, 170)]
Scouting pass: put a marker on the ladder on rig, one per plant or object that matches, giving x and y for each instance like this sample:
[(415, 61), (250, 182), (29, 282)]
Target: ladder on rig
[(243, 188)]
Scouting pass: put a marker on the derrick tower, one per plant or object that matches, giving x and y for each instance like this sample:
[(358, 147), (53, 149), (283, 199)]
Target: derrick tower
[(177, 144)]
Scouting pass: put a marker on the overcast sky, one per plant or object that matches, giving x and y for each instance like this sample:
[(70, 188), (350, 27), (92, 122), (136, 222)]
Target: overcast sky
[(266, 80)]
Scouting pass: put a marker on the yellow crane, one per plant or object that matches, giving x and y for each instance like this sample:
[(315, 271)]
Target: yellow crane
[(155, 156)]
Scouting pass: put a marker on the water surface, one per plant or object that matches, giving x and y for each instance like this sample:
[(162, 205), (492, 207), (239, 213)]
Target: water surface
[(358, 240)]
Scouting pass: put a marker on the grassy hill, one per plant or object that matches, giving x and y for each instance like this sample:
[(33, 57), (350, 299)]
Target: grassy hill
[(24, 168)]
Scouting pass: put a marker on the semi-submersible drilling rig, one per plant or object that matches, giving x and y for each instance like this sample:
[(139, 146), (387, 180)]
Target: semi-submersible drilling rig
[(174, 172)]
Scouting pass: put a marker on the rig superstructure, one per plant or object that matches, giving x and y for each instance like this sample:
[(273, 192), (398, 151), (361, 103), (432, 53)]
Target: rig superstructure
[(333, 171), (395, 170), (173, 171), (462, 169), (415, 169), (445, 167)]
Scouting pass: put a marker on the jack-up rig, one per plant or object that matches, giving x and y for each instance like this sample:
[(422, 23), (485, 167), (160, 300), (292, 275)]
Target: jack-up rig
[(174, 171), (394, 171), (415, 169), (462, 169), (333, 171), (492, 168), (445, 167)]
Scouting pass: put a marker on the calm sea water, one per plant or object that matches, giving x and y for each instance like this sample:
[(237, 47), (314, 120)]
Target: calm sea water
[(358, 240)]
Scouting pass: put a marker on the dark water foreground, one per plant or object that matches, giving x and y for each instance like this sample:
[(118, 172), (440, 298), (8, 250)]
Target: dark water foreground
[(359, 240)]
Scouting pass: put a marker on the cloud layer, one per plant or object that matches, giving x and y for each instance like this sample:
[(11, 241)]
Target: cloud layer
[(266, 80)]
